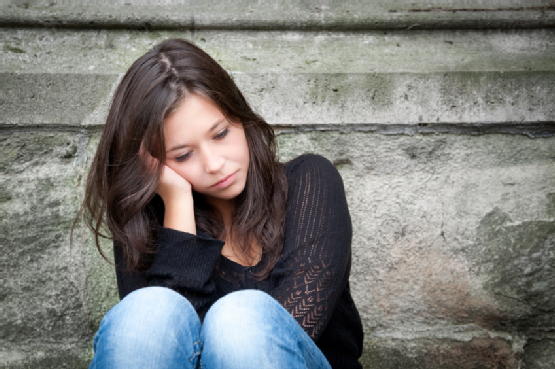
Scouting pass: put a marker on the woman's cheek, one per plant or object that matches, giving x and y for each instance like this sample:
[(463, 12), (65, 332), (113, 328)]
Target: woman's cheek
[(190, 174)]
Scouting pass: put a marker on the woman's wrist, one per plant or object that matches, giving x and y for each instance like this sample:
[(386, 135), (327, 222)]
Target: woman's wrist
[(179, 215)]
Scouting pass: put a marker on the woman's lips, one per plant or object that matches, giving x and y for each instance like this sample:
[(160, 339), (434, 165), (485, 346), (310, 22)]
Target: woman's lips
[(225, 182)]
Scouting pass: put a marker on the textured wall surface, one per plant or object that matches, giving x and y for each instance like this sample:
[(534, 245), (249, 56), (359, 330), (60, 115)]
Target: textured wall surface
[(440, 119)]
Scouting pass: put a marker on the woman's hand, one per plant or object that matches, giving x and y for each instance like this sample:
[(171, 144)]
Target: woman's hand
[(177, 194), (172, 187)]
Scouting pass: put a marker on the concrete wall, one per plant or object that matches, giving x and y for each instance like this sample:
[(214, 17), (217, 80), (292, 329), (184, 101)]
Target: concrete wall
[(439, 117)]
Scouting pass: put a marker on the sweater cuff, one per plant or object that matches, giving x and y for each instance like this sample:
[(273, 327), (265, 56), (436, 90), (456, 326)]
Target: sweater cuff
[(185, 257)]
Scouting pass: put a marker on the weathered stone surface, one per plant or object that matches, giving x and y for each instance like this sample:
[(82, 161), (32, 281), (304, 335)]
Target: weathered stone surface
[(519, 258), (301, 78), (469, 97), (46, 321), (298, 99), (290, 14), (46, 356), (539, 354), (48, 98), (479, 353), (111, 52)]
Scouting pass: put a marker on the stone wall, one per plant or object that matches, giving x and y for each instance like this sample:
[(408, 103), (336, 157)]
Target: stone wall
[(440, 119)]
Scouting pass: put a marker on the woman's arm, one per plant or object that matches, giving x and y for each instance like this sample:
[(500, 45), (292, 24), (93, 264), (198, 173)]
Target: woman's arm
[(314, 269), (183, 262)]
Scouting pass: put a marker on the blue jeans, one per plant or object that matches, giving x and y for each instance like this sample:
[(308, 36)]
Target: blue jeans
[(158, 328)]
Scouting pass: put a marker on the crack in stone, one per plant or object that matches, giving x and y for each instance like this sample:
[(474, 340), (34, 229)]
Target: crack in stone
[(523, 302), (512, 9)]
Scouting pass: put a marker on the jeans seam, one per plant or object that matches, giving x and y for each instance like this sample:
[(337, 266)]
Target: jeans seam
[(197, 353)]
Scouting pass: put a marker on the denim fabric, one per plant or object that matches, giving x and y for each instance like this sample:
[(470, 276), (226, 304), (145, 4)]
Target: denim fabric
[(155, 327)]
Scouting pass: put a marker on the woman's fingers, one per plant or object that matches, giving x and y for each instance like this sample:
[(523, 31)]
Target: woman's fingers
[(176, 192), (170, 178), (171, 186)]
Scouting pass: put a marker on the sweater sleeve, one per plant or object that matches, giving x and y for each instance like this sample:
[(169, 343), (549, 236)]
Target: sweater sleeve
[(314, 269), (183, 262)]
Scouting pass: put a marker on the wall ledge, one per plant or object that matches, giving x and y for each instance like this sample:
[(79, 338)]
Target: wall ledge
[(532, 130), (294, 15)]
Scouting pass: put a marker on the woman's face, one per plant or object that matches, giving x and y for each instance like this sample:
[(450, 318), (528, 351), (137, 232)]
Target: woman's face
[(206, 149)]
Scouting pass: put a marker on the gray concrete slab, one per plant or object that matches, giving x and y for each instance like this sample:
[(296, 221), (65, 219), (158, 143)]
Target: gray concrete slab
[(318, 99), (294, 78), (44, 280), (111, 52), (282, 15)]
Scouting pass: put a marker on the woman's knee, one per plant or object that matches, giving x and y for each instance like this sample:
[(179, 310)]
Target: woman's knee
[(242, 317), (245, 304), (152, 314), (248, 326)]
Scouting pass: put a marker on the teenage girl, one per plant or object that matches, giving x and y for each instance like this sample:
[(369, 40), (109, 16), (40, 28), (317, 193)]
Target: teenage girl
[(225, 258)]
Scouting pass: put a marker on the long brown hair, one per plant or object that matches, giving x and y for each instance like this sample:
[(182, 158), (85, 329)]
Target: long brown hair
[(120, 193)]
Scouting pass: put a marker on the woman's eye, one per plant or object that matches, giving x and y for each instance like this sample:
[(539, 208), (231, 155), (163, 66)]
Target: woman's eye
[(222, 134), (183, 157)]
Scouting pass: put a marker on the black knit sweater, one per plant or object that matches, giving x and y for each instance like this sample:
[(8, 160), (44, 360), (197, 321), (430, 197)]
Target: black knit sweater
[(310, 279)]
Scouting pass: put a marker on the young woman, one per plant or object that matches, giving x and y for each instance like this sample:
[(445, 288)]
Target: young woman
[(225, 258)]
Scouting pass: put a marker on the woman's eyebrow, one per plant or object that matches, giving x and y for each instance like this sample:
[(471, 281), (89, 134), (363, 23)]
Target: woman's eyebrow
[(214, 126), (176, 148)]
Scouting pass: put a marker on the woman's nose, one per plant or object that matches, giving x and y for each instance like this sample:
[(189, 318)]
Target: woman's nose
[(213, 161)]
